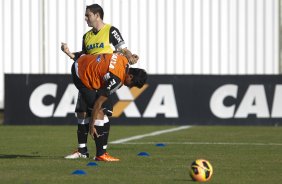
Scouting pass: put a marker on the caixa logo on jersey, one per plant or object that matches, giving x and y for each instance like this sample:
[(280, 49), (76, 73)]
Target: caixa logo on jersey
[(162, 102), (226, 103)]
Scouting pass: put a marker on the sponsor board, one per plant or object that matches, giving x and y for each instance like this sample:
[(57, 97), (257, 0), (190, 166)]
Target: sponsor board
[(165, 99)]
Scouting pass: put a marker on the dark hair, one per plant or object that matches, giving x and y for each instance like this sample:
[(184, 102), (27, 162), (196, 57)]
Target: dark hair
[(95, 8), (139, 77)]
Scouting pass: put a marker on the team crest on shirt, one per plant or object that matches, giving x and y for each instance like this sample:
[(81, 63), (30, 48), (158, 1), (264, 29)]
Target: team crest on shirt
[(98, 59)]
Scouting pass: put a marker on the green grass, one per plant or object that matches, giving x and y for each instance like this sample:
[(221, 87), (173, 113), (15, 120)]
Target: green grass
[(239, 155)]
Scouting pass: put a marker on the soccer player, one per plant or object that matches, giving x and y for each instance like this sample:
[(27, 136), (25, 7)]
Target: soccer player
[(97, 77), (96, 41)]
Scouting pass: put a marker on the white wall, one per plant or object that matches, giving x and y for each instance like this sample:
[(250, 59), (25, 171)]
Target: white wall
[(170, 36)]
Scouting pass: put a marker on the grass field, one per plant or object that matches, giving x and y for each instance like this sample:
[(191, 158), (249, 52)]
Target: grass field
[(239, 155)]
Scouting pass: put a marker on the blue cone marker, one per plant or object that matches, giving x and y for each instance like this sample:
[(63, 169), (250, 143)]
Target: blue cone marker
[(79, 172), (143, 154), (92, 164), (160, 145)]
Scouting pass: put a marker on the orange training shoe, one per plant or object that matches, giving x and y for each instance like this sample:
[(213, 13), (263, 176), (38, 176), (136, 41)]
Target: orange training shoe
[(106, 157)]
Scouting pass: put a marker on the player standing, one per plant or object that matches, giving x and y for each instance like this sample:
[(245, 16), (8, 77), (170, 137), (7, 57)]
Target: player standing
[(96, 41)]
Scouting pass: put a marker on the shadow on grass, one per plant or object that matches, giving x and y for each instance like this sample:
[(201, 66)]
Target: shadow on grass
[(34, 155), (19, 156), (184, 180)]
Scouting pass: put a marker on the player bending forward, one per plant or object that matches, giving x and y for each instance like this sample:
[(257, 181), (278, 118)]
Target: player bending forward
[(97, 77)]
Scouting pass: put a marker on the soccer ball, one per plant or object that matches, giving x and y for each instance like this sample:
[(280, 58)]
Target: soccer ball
[(201, 170)]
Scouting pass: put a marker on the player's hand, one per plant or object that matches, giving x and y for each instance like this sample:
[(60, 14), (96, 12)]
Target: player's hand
[(133, 59), (65, 48), (93, 131)]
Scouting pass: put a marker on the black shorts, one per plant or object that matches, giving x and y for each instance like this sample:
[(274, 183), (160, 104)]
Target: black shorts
[(81, 106), (86, 97)]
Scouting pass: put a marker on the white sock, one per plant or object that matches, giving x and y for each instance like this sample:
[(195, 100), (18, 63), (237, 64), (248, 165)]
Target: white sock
[(83, 121)]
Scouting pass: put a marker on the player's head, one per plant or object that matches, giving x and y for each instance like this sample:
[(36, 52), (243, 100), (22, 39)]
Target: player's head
[(96, 9), (135, 77), (94, 16)]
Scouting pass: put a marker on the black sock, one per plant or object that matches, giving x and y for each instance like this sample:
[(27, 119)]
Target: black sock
[(99, 141), (82, 134)]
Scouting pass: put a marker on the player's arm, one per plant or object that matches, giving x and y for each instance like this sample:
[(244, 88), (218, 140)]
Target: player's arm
[(132, 58), (95, 113), (66, 50), (73, 55), (120, 46), (112, 83)]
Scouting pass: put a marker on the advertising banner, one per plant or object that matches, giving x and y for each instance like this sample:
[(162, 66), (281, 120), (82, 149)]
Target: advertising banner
[(165, 99)]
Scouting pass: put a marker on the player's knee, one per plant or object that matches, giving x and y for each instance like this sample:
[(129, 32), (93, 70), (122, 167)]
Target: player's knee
[(81, 115)]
